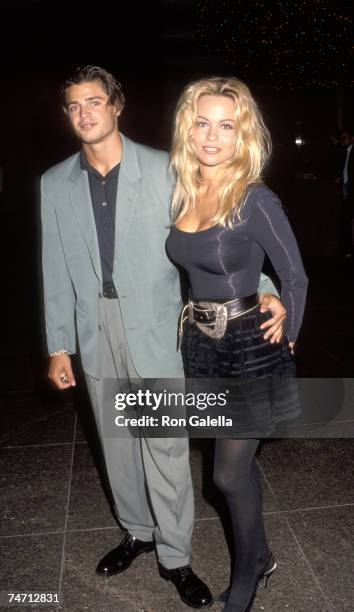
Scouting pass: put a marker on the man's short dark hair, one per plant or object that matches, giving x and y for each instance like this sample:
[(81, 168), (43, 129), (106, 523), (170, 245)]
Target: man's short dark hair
[(111, 86)]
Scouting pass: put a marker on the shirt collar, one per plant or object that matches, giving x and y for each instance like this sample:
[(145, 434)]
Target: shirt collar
[(85, 165)]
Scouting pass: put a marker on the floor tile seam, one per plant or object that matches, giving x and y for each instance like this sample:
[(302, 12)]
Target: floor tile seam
[(22, 428), (58, 532), (16, 431), (326, 435), (207, 518), (35, 445), (67, 507), (87, 529), (31, 535), (41, 445), (266, 480), (329, 605), (276, 498), (308, 509), (266, 513), (319, 423)]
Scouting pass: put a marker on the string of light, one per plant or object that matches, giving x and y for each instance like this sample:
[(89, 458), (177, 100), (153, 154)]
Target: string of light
[(281, 43)]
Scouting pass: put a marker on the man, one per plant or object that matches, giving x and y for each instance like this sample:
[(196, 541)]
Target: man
[(105, 219)]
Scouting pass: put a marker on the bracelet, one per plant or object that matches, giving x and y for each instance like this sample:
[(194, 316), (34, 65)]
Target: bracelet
[(55, 353)]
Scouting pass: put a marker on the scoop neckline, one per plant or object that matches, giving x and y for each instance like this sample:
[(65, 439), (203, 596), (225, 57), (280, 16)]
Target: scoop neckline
[(207, 229)]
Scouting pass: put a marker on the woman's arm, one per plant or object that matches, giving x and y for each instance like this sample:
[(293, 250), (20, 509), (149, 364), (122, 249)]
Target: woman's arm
[(268, 225)]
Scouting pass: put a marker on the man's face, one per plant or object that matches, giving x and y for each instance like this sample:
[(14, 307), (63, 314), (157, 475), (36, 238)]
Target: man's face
[(345, 138), (92, 118)]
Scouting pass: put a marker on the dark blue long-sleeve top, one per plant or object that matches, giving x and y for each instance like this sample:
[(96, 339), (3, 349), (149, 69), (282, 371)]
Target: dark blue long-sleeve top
[(225, 263)]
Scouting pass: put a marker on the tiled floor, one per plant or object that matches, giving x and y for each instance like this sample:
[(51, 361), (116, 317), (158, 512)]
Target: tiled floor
[(56, 520)]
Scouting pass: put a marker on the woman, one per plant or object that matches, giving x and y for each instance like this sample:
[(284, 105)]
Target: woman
[(225, 220)]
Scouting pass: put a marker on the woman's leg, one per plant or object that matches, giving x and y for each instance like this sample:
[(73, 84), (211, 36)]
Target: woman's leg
[(235, 474)]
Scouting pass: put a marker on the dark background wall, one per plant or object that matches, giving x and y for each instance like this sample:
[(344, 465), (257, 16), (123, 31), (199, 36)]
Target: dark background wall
[(296, 58)]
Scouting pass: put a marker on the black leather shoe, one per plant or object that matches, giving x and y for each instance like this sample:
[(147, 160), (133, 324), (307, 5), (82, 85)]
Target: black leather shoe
[(191, 589), (121, 557)]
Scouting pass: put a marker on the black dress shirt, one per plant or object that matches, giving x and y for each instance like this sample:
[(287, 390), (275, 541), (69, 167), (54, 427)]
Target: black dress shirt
[(103, 190)]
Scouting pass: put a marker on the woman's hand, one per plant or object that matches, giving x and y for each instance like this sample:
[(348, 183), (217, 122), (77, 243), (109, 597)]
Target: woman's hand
[(275, 325), (291, 346)]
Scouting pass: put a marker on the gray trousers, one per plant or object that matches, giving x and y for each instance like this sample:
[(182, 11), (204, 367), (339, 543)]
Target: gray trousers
[(149, 477)]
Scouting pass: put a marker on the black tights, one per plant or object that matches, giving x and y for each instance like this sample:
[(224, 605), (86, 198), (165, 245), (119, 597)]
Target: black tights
[(235, 474)]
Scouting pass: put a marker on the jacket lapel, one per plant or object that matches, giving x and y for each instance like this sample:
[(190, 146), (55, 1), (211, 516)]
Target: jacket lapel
[(82, 206), (129, 174)]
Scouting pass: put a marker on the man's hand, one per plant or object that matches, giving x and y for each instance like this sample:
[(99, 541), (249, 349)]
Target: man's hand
[(60, 372), (274, 326)]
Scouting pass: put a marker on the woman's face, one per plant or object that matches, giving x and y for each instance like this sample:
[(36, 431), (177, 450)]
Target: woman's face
[(214, 133)]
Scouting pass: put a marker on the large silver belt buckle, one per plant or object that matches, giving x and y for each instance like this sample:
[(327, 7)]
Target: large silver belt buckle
[(217, 330)]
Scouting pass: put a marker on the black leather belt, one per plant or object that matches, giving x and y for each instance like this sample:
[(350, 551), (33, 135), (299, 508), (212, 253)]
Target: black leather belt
[(205, 312), (109, 291), (212, 317)]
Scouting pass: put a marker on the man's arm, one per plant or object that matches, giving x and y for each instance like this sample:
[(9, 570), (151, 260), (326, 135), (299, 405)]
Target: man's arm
[(59, 298), (266, 286)]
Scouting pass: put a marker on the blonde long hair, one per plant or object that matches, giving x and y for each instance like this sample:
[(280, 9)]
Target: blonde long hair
[(252, 149)]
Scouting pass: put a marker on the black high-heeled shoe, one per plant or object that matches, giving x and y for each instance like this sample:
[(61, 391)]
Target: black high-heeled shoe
[(269, 568)]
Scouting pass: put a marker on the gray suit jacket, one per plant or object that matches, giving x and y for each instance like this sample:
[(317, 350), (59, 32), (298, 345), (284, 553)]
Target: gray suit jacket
[(147, 283)]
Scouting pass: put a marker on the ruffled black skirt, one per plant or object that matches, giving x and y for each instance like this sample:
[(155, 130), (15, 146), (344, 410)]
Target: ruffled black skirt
[(258, 378)]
